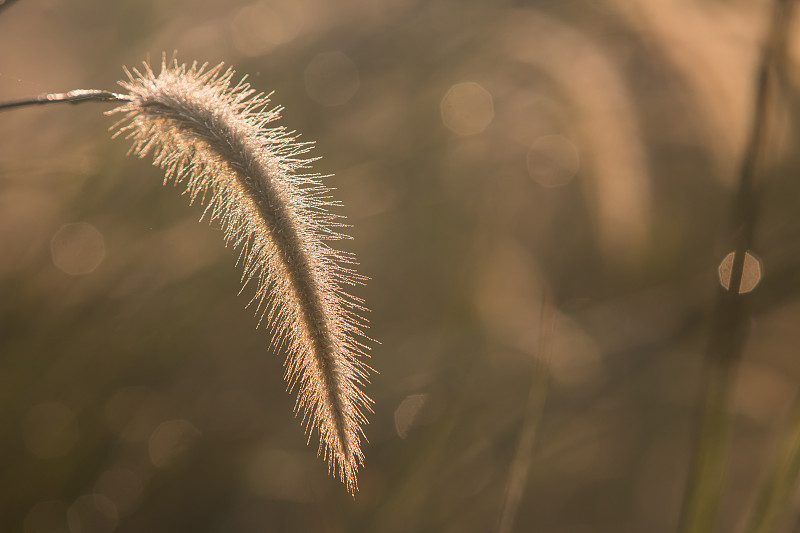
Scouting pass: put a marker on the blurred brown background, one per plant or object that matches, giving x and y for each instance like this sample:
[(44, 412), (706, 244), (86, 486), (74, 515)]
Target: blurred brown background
[(485, 153)]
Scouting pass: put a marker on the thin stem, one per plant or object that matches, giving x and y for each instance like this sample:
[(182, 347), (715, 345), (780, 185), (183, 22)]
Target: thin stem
[(729, 320), (5, 3), (705, 481), (77, 96), (518, 476), (777, 489)]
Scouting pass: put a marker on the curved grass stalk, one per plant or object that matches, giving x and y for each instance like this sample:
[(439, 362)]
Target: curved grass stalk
[(213, 136)]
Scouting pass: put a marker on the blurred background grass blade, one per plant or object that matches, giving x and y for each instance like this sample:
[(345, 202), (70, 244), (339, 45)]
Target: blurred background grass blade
[(730, 327), (774, 495), (520, 466)]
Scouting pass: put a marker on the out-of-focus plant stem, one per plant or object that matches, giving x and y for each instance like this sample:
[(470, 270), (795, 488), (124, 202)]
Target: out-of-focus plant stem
[(520, 466), (5, 3), (781, 479), (729, 324)]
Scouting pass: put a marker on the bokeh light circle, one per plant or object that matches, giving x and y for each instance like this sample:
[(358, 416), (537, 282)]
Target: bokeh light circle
[(331, 79), (553, 160), (77, 248), (467, 108), (751, 275)]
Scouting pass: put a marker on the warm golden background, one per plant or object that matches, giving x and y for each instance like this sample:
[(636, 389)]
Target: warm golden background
[(485, 153)]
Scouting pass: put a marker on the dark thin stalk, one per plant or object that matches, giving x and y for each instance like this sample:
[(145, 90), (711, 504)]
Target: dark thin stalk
[(729, 326), (77, 96), (520, 466), (5, 3)]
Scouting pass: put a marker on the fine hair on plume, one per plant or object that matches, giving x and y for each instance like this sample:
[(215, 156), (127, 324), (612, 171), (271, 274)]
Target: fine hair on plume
[(213, 135)]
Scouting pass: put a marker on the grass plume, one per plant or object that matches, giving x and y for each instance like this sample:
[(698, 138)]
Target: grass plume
[(214, 136)]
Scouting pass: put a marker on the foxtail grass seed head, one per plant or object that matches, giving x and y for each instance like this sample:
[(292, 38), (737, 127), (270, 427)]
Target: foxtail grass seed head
[(214, 136)]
